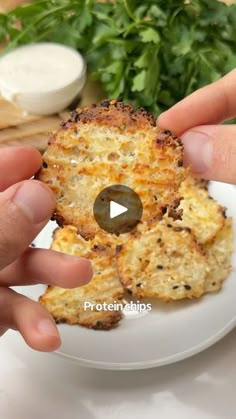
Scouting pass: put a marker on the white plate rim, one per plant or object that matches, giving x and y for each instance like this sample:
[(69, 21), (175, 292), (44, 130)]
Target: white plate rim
[(152, 364)]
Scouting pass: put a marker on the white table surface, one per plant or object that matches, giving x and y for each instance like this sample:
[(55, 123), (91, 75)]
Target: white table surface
[(37, 385)]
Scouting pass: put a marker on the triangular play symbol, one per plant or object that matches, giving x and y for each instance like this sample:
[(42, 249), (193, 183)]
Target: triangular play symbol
[(116, 209)]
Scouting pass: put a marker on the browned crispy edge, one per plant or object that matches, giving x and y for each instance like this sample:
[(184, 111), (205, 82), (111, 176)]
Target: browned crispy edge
[(100, 325), (107, 324)]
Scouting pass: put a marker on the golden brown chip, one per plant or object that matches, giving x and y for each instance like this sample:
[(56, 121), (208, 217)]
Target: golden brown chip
[(201, 213), (219, 254), (68, 305), (106, 145), (164, 261)]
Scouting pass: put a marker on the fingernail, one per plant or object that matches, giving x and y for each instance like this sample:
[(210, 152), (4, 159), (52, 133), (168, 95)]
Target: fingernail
[(198, 150), (46, 327), (35, 200)]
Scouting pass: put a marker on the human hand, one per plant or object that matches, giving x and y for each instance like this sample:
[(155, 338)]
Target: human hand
[(25, 208), (210, 149)]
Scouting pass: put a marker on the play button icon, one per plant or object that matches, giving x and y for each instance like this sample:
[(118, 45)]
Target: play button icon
[(118, 209)]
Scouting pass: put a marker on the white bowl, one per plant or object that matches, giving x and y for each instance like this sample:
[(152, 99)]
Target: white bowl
[(42, 78)]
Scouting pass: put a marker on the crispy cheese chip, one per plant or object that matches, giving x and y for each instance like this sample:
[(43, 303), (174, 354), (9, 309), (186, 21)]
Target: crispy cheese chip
[(163, 261), (201, 213), (219, 253), (112, 144), (67, 305)]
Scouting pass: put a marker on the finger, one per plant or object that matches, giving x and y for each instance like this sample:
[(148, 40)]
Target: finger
[(210, 105), (211, 151), (24, 210), (33, 321), (18, 163), (47, 267), (3, 330)]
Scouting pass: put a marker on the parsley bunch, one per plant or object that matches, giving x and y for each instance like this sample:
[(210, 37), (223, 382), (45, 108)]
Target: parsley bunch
[(152, 53)]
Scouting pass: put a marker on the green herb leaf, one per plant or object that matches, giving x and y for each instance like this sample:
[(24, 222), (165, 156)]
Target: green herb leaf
[(139, 81), (150, 35), (153, 53)]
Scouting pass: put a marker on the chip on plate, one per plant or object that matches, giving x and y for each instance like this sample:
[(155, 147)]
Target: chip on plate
[(67, 305), (201, 212), (219, 253), (163, 261)]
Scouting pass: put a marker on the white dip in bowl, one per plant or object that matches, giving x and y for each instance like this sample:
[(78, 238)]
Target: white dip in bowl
[(42, 78)]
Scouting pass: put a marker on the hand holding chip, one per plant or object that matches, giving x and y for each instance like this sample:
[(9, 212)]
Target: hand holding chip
[(27, 205), (25, 208), (209, 148)]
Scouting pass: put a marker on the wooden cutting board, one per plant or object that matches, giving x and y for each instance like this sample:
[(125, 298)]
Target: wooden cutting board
[(11, 4), (16, 128)]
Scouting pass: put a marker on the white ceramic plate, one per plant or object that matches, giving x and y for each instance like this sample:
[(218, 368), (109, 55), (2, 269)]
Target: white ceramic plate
[(166, 334)]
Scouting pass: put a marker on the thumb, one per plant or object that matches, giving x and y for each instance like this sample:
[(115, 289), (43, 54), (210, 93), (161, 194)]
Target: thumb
[(210, 150), (25, 208)]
